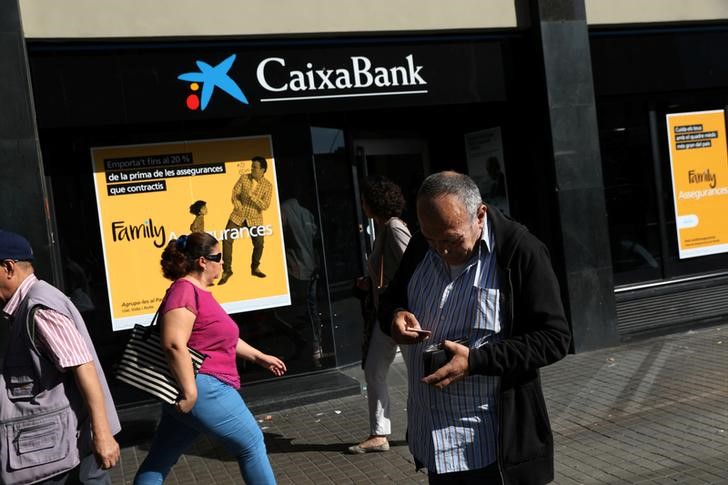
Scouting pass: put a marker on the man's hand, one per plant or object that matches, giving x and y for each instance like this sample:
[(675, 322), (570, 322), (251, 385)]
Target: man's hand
[(404, 328), (105, 447), (455, 370), (106, 450)]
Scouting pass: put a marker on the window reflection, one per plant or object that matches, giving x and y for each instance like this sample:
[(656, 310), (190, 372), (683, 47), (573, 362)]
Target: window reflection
[(336, 188), (300, 333), (629, 192)]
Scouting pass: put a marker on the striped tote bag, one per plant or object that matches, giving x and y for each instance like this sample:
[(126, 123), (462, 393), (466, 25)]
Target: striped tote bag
[(144, 365)]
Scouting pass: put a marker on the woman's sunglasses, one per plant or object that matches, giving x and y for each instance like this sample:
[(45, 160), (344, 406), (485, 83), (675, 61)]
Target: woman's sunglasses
[(214, 257)]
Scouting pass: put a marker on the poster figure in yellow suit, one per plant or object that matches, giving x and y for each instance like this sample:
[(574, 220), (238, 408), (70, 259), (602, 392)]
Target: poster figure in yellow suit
[(251, 196)]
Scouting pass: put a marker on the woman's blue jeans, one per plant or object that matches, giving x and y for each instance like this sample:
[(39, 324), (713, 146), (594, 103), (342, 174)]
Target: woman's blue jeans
[(219, 412)]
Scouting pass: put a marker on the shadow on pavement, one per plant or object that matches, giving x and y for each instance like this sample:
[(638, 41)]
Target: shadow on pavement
[(277, 443)]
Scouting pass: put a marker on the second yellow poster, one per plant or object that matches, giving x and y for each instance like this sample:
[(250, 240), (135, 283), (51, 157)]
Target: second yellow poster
[(699, 163)]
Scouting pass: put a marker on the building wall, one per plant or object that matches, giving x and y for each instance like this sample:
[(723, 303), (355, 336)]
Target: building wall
[(185, 18), (614, 12), (182, 18)]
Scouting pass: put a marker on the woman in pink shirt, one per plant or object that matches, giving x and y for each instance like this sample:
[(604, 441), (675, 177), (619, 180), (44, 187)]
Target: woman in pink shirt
[(210, 402)]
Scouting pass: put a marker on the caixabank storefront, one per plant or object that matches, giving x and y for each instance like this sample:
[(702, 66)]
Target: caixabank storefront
[(138, 141), (142, 141)]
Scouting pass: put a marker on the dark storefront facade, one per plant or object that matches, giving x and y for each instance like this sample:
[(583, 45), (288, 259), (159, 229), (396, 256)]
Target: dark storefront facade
[(641, 77), (574, 116), (335, 111)]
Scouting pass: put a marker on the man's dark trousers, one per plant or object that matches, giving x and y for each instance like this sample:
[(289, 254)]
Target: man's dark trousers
[(227, 248), (483, 476)]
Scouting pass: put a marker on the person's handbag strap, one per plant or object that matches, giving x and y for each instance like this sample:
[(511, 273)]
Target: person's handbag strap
[(380, 282), (381, 271), (154, 324)]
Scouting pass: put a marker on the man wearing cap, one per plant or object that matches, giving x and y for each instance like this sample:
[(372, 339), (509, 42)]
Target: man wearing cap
[(55, 407)]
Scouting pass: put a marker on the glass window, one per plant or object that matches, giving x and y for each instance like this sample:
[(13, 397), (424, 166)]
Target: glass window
[(674, 266), (299, 333), (629, 183), (335, 177), (639, 190)]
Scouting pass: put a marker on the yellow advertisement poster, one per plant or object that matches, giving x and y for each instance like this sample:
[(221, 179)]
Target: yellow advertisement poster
[(150, 194), (699, 163)]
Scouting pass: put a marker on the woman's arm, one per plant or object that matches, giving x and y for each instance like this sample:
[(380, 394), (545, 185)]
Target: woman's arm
[(399, 238), (176, 329), (251, 354), (396, 238)]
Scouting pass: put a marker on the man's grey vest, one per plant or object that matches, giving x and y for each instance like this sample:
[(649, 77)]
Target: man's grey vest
[(44, 427)]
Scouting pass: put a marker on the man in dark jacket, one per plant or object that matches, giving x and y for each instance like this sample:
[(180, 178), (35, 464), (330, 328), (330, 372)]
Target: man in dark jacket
[(475, 275)]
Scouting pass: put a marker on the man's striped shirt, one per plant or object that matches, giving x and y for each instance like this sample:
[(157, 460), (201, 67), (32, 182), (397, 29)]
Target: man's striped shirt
[(56, 334), (454, 429)]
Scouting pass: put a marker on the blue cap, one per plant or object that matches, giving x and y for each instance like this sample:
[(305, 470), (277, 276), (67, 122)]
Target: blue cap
[(14, 246)]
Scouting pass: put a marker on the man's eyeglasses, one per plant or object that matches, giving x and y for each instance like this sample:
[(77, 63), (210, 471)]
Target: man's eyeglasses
[(214, 257)]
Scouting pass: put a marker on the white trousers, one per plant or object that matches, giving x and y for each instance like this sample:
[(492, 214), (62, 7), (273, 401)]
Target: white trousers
[(380, 355)]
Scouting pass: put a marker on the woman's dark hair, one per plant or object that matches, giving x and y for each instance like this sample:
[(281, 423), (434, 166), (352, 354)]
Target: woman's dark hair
[(197, 207), (178, 258), (383, 196)]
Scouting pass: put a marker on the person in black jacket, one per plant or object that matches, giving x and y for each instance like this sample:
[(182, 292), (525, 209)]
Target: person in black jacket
[(475, 274)]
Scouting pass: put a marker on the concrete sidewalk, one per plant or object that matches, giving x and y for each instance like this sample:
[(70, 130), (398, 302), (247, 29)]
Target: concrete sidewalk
[(648, 412)]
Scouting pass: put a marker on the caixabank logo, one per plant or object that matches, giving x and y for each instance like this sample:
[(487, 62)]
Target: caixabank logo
[(301, 79), (211, 77)]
